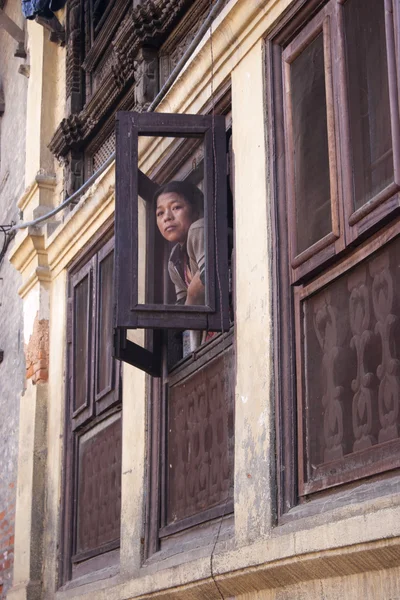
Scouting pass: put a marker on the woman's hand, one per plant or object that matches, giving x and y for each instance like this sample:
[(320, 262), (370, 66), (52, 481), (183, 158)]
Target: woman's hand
[(195, 291)]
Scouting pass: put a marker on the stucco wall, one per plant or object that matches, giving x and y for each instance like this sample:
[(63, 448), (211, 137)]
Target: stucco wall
[(337, 550), (12, 369)]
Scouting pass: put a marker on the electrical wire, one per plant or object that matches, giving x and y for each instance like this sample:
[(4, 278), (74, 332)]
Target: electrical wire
[(8, 233)]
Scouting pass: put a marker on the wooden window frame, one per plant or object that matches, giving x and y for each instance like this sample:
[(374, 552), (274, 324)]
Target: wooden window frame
[(372, 220), (99, 409), (333, 242), (349, 226), (162, 538), (362, 221), (130, 182)]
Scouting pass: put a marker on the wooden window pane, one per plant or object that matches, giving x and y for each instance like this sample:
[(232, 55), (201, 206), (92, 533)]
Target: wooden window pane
[(99, 488), (368, 98), (200, 440), (310, 141), (351, 368), (104, 350), (81, 343)]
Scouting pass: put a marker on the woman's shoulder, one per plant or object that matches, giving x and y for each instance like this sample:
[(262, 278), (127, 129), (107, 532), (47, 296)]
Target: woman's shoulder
[(199, 224)]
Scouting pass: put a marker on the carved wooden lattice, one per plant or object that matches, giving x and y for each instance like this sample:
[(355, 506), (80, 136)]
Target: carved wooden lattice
[(99, 488), (105, 150), (351, 350), (200, 440)]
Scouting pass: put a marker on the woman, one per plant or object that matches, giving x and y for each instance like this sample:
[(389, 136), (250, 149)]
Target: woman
[(179, 206)]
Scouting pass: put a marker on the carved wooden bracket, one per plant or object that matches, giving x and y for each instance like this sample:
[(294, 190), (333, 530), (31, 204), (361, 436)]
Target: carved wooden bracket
[(125, 53)]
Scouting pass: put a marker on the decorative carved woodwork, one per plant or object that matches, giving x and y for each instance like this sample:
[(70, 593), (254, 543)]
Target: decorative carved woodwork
[(74, 173), (124, 52), (330, 332), (200, 440), (99, 489), (363, 337), (74, 79), (52, 24), (349, 364), (179, 40)]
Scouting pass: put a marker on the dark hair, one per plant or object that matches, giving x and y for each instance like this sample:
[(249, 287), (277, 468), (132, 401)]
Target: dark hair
[(189, 191)]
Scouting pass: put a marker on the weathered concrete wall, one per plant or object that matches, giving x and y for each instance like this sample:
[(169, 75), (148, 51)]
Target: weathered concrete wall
[(12, 369)]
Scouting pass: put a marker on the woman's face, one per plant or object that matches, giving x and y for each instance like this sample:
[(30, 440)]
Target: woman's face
[(174, 217)]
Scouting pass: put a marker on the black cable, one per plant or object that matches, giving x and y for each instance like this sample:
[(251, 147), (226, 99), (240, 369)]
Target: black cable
[(8, 234)]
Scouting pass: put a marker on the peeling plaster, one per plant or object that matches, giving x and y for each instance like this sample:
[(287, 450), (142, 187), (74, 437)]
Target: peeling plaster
[(31, 309)]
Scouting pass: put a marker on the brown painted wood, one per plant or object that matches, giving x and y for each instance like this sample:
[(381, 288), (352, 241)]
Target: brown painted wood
[(373, 213), (308, 259), (98, 408), (129, 313), (373, 226)]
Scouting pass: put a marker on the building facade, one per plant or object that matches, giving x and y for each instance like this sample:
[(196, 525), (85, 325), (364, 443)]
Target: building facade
[(263, 462), (13, 85)]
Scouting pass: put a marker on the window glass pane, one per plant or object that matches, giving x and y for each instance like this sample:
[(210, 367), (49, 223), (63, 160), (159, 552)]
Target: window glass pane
[(368, 96), (104, 359), (310, 142), (81, 334)]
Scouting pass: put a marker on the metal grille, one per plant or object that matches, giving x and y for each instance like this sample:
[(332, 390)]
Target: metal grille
[(105, 150)]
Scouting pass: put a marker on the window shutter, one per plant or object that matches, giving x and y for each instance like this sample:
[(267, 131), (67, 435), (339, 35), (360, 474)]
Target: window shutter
[(107, 370), (311, 152), (371, 112), (82, 344)]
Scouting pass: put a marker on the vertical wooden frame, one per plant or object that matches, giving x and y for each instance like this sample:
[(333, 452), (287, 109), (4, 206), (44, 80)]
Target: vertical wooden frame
[(359, 222), (129, 313), (100, 408), (126, 220), (302, 449), (284, 379), (111, 393), (326, 247), (83, 412)]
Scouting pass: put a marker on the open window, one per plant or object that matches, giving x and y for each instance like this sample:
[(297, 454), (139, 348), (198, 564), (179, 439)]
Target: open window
[(171, 238), (190, 406)]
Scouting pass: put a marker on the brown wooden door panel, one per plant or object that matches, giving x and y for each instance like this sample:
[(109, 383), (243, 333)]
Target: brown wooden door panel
[(98, 508), (82, 347), (106, 369), (199, 473), (92, 486)]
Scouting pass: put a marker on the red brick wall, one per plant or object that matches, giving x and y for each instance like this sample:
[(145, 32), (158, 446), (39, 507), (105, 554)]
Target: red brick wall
[(7, 515)]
